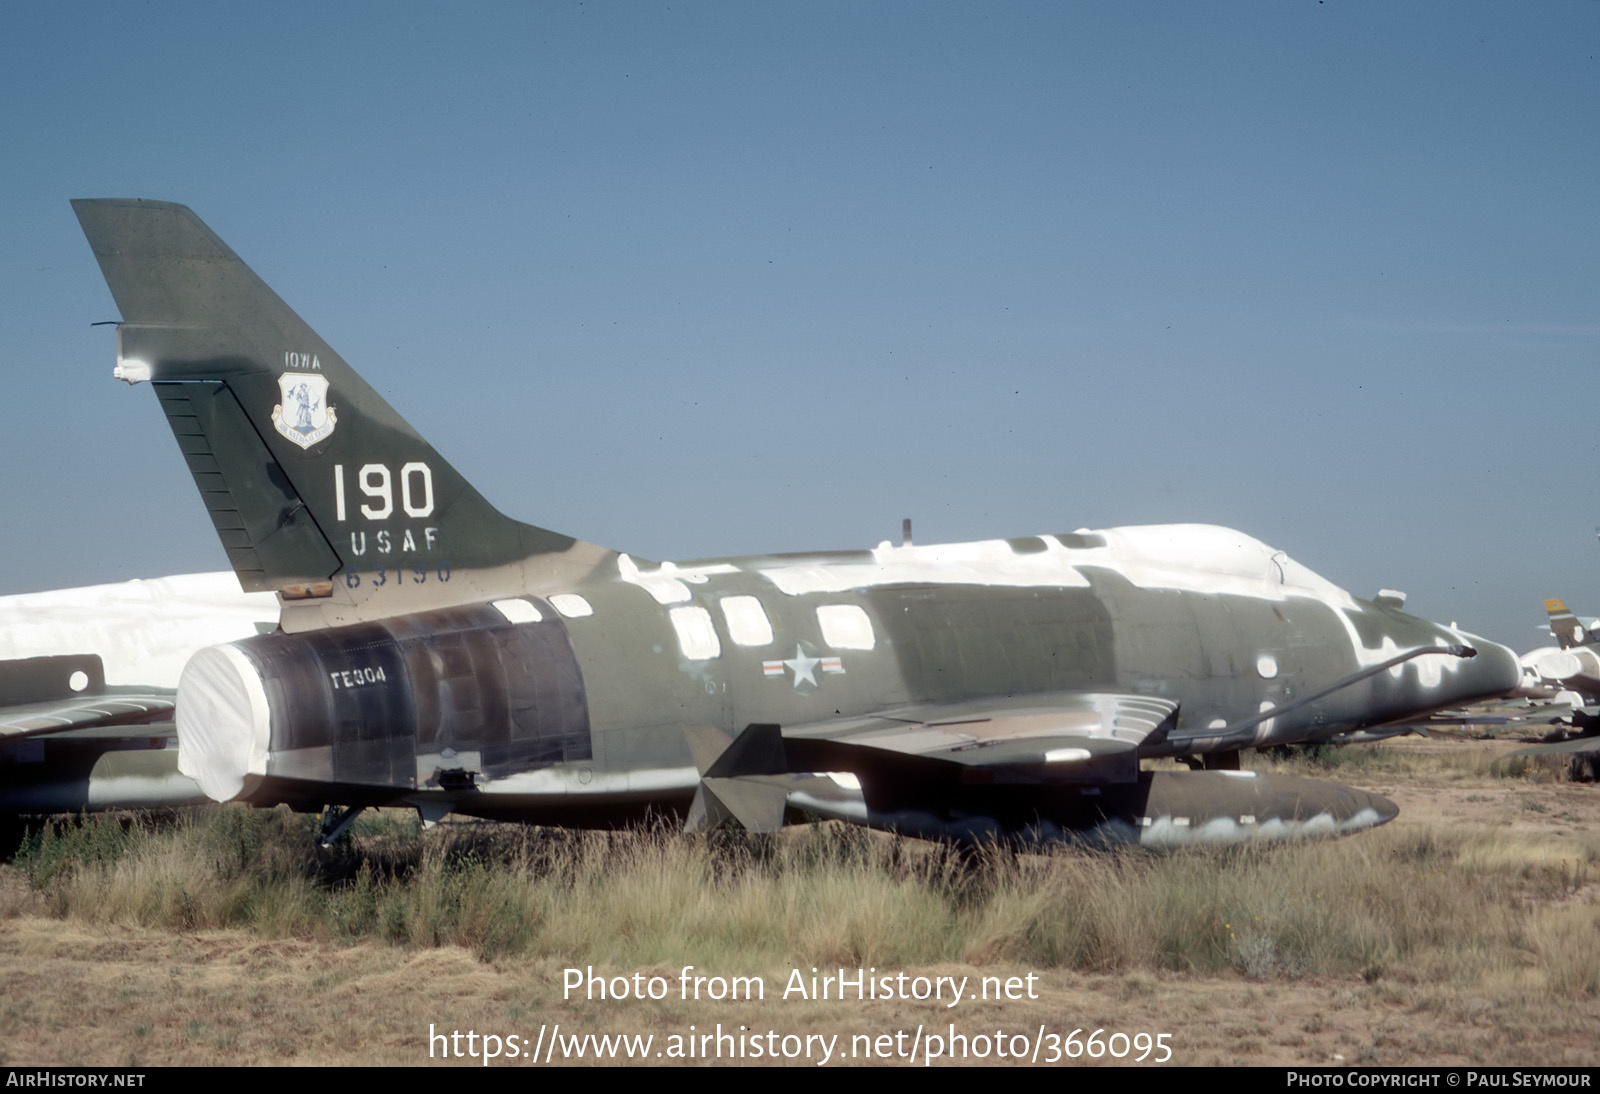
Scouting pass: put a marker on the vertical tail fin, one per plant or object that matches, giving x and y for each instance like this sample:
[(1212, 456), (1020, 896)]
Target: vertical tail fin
[(317, 488), (1566, 627)]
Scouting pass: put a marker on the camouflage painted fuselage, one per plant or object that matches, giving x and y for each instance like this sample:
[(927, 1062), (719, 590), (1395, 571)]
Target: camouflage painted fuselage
[(587, 713)]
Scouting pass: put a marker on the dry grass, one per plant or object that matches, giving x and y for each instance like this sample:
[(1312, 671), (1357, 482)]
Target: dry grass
[(1418, 902), (1462, 937)]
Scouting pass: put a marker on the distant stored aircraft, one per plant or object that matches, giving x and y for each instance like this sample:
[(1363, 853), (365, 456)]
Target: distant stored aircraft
[(1569, 672), (87, 681), (1567, 628), (438, 655), (1566, 676), (1566, 679)]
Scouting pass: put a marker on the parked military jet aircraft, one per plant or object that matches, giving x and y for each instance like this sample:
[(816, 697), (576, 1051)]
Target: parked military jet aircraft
[(1566, 678), (439, 655), (1572, 670), (87, 682)]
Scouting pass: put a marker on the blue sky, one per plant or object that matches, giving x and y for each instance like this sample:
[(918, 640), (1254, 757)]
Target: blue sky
[(705, 279)]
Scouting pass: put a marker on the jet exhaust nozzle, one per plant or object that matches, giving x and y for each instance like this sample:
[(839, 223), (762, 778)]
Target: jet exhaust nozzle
[(438, 699)]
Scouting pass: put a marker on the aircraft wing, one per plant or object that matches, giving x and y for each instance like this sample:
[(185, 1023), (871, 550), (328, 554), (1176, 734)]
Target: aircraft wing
[(69, 742), (68, 692), (1506, 715), (123, 708), (911, 756), (1037, 737), (1077, 737), (1059, 766)]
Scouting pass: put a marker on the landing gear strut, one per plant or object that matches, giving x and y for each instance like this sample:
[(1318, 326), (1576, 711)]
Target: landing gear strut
[(332, 822)]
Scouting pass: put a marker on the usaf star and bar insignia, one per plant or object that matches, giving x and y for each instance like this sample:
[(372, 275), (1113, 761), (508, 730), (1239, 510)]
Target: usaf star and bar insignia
[(804, 666)]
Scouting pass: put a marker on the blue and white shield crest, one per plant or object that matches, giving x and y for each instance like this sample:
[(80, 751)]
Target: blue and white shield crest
[(304, 416)]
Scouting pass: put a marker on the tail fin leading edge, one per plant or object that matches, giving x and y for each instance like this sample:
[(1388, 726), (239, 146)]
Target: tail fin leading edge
[(310, 477)]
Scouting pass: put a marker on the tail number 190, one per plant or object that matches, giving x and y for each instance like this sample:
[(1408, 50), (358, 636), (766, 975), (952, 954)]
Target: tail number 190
[(378, 485)]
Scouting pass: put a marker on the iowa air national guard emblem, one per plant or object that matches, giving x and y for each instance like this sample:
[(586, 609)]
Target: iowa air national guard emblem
[(304, 416)]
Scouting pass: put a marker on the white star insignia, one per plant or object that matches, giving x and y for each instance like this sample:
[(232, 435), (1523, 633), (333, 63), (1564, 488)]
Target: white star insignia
[(805, 668)]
